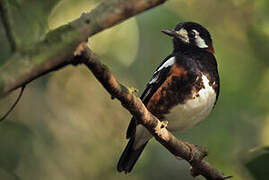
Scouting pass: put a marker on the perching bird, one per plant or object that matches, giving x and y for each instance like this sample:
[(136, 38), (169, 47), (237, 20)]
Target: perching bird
[(186, 83)]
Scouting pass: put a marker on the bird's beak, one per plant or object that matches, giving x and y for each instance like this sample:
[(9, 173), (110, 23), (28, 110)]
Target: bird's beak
[(169, 32), (182, 34)]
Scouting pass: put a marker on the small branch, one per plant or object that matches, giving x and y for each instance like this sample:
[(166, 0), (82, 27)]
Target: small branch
[(7, 25), (135, 106), (58, 45)]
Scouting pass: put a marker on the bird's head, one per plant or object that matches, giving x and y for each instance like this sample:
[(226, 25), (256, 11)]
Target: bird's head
[(192, 35)]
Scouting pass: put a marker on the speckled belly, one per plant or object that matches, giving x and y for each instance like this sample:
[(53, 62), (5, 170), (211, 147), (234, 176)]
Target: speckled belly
[(193, 111), (186, 107), (182, 111)]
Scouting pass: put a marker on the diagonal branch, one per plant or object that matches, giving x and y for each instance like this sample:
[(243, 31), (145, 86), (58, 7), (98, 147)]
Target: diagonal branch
[(134, 105), (59, 44)]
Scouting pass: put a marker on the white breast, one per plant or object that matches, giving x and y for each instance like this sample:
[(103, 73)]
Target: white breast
[(193, 111), (184, 116)]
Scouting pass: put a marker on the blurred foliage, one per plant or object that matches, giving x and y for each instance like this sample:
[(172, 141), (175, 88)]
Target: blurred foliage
[(28, 21), (67, 127), (257, 163)]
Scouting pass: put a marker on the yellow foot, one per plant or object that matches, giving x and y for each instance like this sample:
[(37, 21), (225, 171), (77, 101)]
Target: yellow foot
[(164, 124), (133, 90)]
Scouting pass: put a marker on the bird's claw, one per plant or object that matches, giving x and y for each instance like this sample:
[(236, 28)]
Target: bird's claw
[(164, 124), (133, 90)]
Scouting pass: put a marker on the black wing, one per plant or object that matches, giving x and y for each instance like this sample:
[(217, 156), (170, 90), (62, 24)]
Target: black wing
[(159, 76)]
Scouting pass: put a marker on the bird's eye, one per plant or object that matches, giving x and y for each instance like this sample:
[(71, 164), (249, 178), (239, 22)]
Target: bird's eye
[(192, 34)]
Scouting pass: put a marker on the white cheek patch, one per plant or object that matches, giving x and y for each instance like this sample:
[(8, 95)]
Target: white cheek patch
[(200, 42), (184, 35)]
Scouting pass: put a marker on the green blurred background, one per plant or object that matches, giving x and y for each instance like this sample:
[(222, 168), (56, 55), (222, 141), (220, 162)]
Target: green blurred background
[(67, 127)]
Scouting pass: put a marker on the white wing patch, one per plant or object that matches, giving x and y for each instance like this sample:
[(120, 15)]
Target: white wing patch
[(200, 42), (184, 35), (166, 64)]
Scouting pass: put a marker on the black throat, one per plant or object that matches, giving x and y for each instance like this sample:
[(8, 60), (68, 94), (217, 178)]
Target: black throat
[(195, 59), (180, 46)]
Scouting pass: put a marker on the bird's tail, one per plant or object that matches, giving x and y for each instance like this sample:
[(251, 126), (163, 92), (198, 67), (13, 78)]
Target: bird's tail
[(129, 156)]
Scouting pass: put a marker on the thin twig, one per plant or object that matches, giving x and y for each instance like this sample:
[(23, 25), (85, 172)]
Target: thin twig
[(13, 105)]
